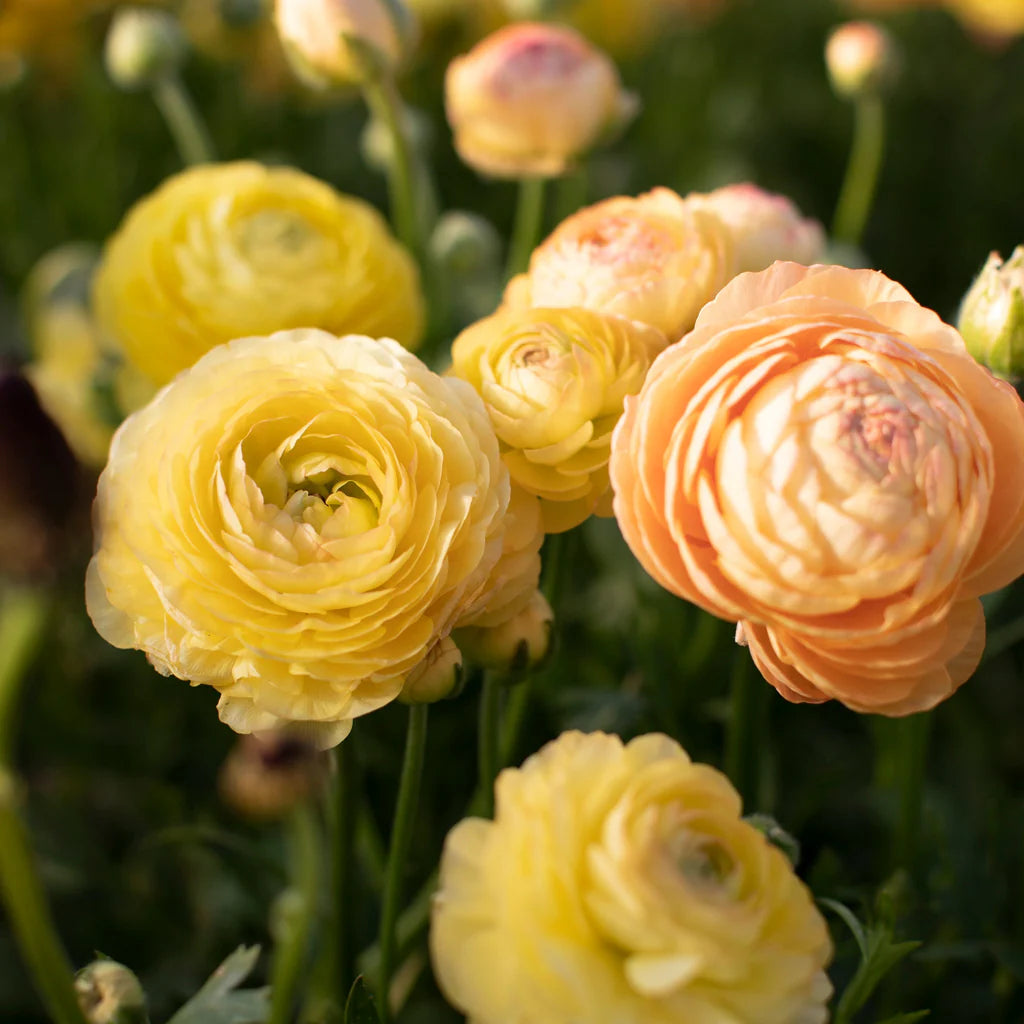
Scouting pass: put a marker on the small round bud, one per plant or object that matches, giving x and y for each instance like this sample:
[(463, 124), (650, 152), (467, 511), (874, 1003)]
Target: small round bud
[(143, 46), (861, 59), (344, 42), (109, 993), (516, 645), (466, 244), (991, 316), (439, 675), (269, 773)]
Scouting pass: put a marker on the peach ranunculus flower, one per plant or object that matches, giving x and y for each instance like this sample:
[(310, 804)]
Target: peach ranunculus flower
[(619, 885), (822, 462), (224, 251), (659, 257), (554, 382), (298, 521), (530, 98)]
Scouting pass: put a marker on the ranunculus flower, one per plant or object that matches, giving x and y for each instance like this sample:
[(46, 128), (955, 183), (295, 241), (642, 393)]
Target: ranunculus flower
[(297, 521), (554, 381), (225, 251), (821, 461), (619, 885), (659, 257), (530, 98), (861, 59)]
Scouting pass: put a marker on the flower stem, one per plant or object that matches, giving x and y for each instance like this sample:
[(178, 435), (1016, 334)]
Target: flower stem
[(910, 739), (342, 814), (489, 740), (401, 835), (385, 103), (22, 620), (295, 913), (529, 221), (184, 121), (858, 191)]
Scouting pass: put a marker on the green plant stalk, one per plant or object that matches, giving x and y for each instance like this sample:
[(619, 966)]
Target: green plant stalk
[(910, 739), (23, 615), (296, 913), (385, 103), (184, 121), (858, 191), (489, 740), (528, 224), (401, 836), (343, 811)]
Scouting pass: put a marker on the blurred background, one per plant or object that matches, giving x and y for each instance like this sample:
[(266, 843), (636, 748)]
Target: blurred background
[(141, 857)]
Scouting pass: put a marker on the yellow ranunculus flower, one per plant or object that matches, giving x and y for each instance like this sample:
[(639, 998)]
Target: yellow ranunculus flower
[(619, 885), (223, 251), (296, 521), (997, 17), (554, 382)]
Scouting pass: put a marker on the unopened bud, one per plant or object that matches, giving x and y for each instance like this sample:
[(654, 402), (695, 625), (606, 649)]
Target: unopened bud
[(344, 42), (439, 675), (465, 244), (109, 993), (143, 46), (991, 316), (516, 645), (269, 773), (861, 59), (776, 835)]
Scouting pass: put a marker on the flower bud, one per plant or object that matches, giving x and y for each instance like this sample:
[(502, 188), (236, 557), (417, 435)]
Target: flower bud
[(269, 773), (992, 315), (530, 99), (109, 993), (439, 675), (343, 42), (143, 46), (466, 244), (516, 645), (860, 58)]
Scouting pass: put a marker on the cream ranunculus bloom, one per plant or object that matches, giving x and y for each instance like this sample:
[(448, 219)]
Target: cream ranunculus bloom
[(530, 98), (821, 461), (223, 251), (653, 258), (619, 885), (554, 381), (296, 521)]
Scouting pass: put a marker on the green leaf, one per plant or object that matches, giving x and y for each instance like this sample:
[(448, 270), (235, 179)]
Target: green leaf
[(851, 922), (220, 1001), (360, 1008)]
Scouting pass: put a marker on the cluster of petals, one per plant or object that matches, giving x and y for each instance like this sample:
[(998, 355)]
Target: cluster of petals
[(659, 257), (618, 884), (822, 462), (224, 251), (554, 382), (304, 542)]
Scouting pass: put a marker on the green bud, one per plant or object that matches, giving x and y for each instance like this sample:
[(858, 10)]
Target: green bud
[(991, 317), (514, 646), (143, 46), (466, 244), (776, 835), (438, 676), (109, 993)]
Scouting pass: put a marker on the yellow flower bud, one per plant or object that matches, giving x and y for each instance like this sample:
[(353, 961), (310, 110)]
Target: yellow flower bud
[(617, 884), (861, 58), (991, 317), (142, 47), (554, 382), (343, 42), (530, 99), (224, 251), (520, 643), (439, 675), (109, 993)]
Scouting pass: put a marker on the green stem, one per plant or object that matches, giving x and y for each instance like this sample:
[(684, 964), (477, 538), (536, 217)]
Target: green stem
[(401, 835), (22, 621), (910, 739), (741, 742), (184, 121), (858, 191), (489, 740), (385, 103), (295, 913), (528, 225), (343, 812)]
